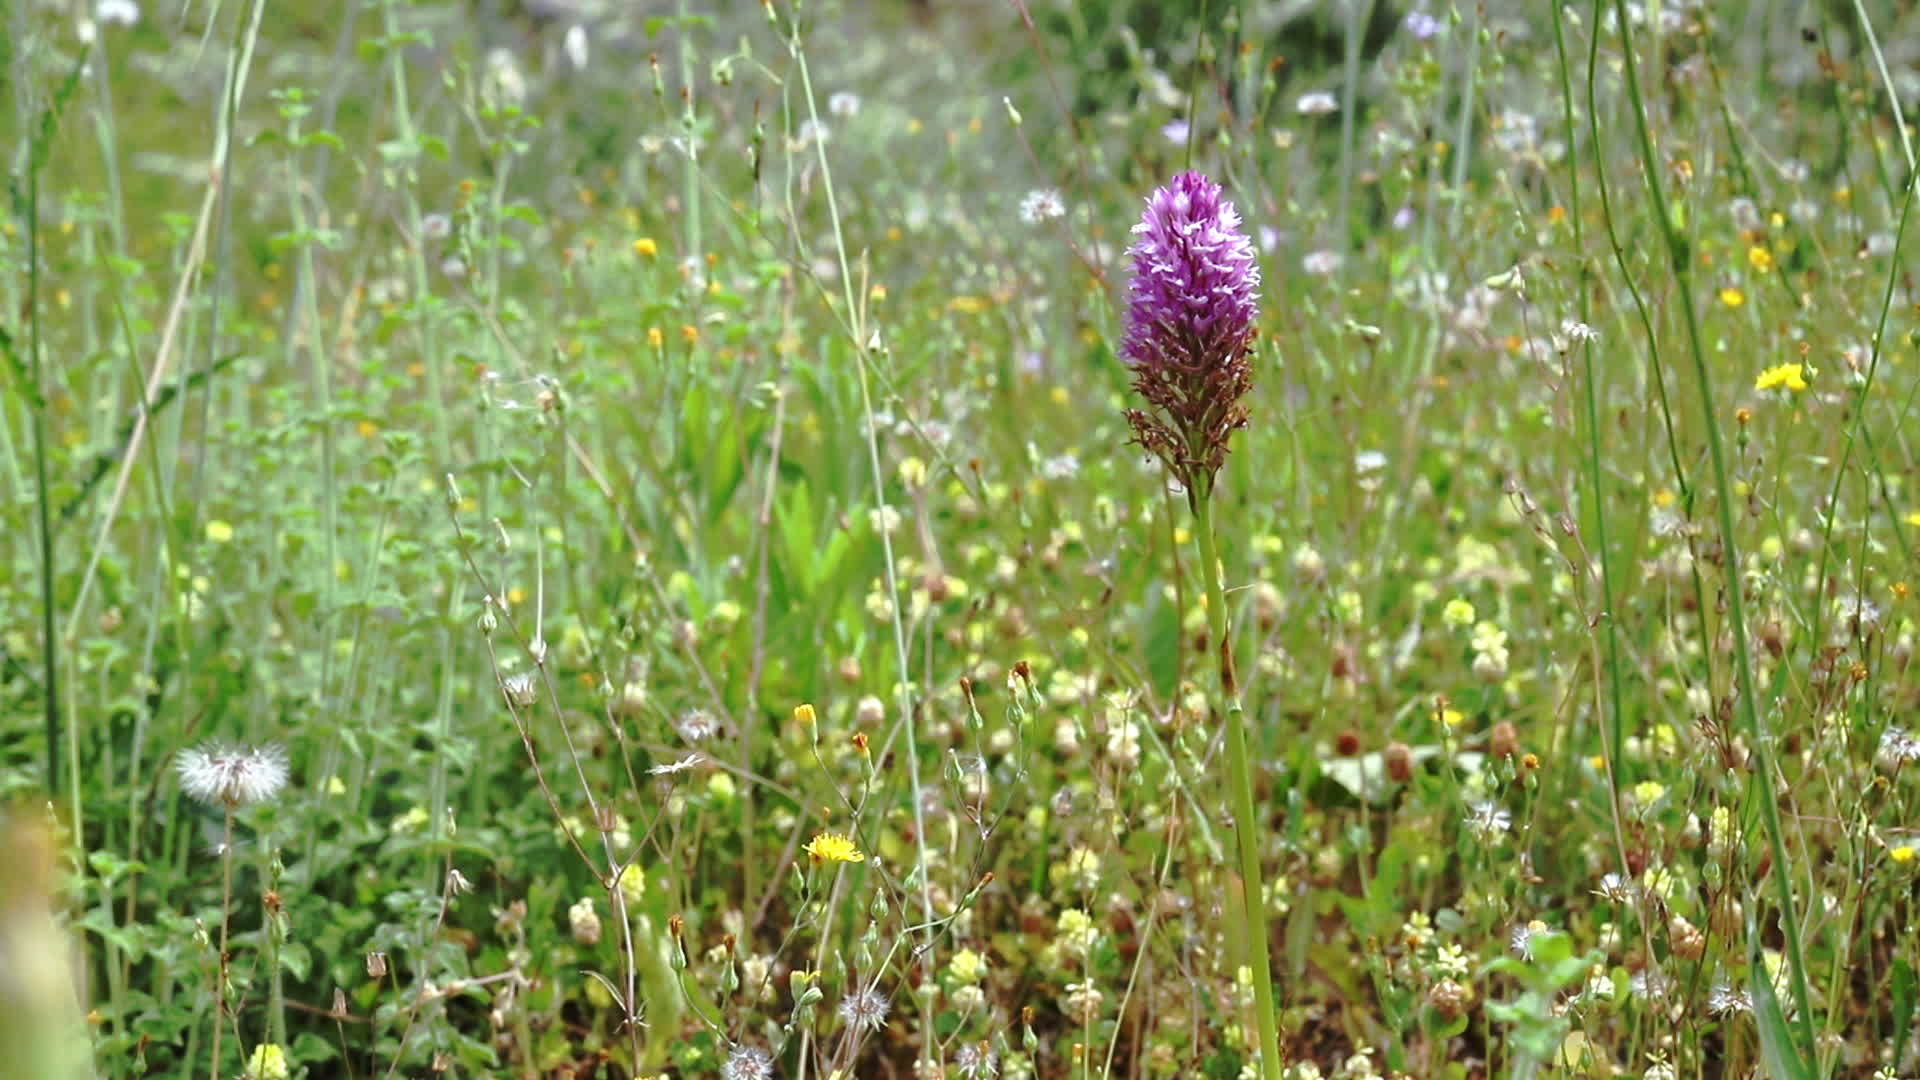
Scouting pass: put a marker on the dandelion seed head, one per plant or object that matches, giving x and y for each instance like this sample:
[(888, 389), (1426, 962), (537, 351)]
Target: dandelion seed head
[(232, 776), (864, 1009), (747, 1063), (976, 1060), (1042, 204)]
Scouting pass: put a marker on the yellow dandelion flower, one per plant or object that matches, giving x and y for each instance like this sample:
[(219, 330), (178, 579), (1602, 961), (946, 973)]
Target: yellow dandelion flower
[(1902, 853), (1760, 259), (1781, 375), (1732, 296), (833, 847), (645, 247), (803, 715), (655, 337)]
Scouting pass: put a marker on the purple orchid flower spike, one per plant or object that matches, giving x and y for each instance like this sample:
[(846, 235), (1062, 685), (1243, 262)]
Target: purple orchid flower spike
[(1190, 328)]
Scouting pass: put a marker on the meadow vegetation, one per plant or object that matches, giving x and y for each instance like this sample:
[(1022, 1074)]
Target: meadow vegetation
[(552, 541)]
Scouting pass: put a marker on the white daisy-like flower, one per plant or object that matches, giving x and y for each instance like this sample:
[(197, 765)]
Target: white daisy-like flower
[(1616, 888), (1525, 935), (671, 767), (520, 689), (865, 1009), (1042, 204), (232, 776), (1487, 819), (1726, 998)]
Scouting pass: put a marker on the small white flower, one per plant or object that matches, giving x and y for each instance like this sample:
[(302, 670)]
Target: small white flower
[(575, 45), (864, 1010), (808, 133), (1321, 263), (747, 1063), (1369, 461), (1523, 937), (117, 12), (1176, 131), (844, 103), (976, 1060), (520, 689), (1487, 819), (1616, 888), (696, 725), (1317, 103), (671, 767), (1061, 467), (1042, 204), (1650, 985), (1577, 332), (1725, 998), (232, 776), (1897, 748)]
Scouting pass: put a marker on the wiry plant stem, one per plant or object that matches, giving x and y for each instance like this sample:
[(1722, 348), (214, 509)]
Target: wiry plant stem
[(1247, 828)]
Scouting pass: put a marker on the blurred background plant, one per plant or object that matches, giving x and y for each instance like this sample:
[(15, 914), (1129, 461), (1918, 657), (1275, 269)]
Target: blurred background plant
[(659, 474)]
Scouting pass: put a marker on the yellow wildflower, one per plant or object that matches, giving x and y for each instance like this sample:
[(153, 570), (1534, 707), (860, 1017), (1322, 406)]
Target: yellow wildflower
[(833, 847), (1732, 297), (1781, 375), (1760, 259), (633, 883), (269, 1062)]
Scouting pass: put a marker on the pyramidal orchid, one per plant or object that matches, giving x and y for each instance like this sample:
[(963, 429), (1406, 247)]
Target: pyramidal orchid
[(1190, 328), (1190, 333)]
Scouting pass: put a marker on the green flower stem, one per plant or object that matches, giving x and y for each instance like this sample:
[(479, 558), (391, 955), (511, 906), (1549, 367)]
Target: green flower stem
[(1240, 776)]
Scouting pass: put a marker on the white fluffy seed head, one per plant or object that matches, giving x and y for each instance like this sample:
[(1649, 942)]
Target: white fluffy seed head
[(232, 776)]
